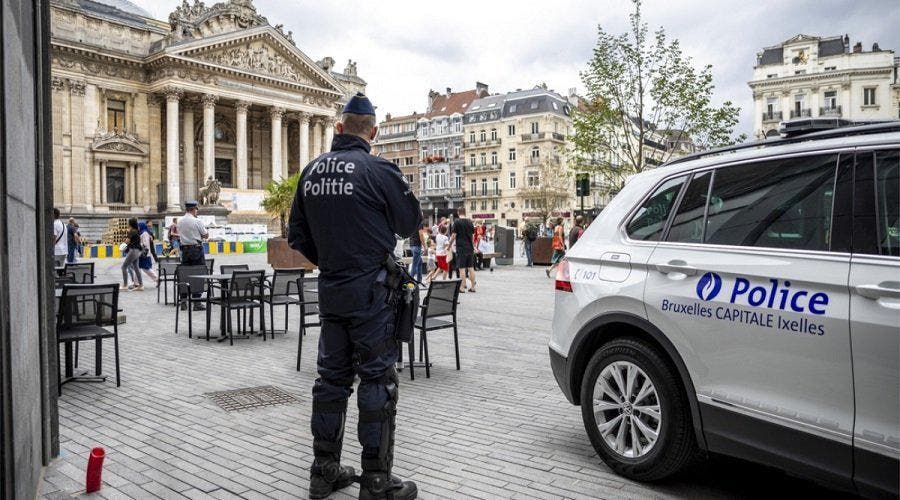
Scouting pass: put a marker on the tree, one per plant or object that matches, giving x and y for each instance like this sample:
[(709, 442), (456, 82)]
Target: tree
[(643, 95), (552, 190), (278, 199)]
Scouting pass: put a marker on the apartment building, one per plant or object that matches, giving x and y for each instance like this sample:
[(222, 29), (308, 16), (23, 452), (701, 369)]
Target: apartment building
[(396, 141), (508, 137), (811, 76), (440, 137)]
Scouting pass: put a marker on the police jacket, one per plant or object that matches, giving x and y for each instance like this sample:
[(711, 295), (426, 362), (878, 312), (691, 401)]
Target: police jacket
[(348, 209)]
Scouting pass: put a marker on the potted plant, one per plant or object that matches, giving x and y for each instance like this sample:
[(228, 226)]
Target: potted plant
[(277, 202)]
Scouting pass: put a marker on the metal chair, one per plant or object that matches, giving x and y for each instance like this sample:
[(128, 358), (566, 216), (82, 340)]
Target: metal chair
[(189, 290), (440, 302), (65, 279), (81, 272), (309, 306), (84, 312), (244, 293), (229, 268), (210, 265), (166, 267), (284, 290)]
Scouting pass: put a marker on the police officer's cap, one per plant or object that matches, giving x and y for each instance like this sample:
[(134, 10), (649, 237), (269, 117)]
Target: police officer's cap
[(359, 105), (190, 204)]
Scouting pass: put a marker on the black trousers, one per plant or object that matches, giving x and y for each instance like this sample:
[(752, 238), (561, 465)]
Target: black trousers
[(192, 255)]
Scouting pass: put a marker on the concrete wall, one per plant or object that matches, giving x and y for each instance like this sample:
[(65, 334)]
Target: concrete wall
[(28, 427)]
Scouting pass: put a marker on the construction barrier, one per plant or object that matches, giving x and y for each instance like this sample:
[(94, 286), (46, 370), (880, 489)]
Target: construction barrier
[(210, 248)]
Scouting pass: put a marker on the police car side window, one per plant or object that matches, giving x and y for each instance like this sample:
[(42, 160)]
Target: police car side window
[(648, 222), (687, 227), (887, 192), (785, 203)]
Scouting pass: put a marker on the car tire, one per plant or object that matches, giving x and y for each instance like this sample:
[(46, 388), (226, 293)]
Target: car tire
[(633, 421)]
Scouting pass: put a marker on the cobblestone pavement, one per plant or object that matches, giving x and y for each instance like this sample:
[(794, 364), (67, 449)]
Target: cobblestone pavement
[(498, 428)]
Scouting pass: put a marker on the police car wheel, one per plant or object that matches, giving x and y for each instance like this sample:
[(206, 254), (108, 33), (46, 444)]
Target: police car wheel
[(635, 411)]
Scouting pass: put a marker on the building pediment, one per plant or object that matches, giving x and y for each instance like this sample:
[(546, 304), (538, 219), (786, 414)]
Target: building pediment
[(199, 21), (800, 38), (262, 52), (111, 142)]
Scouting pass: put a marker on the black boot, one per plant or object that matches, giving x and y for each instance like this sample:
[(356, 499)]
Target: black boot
[(332, 477), (380, 485)]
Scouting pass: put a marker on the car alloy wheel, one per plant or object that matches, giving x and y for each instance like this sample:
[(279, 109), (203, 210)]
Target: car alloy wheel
[(627, 409)]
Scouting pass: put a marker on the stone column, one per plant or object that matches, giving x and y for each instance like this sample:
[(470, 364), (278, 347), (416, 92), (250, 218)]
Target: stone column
[(134, 183), (329, 133), (209, 136), (190, 169), (285, 173), (98, 183), (103, 182), (276, 114), (240, 109), (173, 186), (317, 137), (303, 143)]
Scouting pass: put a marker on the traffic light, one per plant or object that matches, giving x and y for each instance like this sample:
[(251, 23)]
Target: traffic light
[(582, 185)]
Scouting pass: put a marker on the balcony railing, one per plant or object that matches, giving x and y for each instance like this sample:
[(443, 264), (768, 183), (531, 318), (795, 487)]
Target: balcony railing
[(533, 137), (774, 116), (493, 193), (830, 111), (483, 168), (556, 136), (801, 113), (482, 144), (441, 193)]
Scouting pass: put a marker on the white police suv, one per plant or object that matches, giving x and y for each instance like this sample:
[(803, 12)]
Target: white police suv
[(744, 301)]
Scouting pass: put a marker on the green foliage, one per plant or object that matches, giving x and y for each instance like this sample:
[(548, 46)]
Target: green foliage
[(278, 199), (640, 88)]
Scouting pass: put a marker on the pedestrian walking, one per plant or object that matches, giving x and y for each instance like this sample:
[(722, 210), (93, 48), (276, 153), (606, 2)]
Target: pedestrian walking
[(529, 235), (432, 261), (479, 255), (464, 239), (368, 196), (415, 246), (174, 237), (576, 231), (559, 246), (442, 246), (148, 252), (72, 241), (132, 254), (60, 240)]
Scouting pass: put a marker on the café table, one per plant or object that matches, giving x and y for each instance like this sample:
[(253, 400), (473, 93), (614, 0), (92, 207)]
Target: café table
[(222, 279)]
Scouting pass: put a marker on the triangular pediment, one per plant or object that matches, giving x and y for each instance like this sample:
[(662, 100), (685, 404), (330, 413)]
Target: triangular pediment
[(800, 38), (261, 51)]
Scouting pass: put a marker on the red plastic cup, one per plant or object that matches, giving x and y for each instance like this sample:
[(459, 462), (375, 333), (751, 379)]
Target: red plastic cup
[(94, 468)]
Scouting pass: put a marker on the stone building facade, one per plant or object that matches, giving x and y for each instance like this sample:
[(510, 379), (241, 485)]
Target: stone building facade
[(396, 141), (440, 136), (146, 111), (509, 139), (811, 77)]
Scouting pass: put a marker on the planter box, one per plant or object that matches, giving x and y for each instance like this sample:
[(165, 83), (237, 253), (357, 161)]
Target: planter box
[(282, 256), (542, 250)]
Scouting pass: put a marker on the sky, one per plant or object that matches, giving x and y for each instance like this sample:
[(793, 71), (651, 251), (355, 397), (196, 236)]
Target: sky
[(404, 48)]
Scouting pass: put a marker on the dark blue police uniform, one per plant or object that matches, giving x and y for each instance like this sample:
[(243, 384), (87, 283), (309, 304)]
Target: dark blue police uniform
[(348, 208)]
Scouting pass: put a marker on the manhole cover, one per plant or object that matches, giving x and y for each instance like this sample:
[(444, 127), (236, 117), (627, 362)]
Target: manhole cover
[(252, 397)]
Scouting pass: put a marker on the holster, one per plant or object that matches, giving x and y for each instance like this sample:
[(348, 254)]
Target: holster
[(403, 297)]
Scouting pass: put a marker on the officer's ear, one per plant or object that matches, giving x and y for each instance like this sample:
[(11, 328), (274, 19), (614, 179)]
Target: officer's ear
[(339, 127), (373, 134)]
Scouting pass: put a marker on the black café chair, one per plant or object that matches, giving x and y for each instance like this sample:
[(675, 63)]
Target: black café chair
[(210, 265), (166, 267), (309, 306), (438, 312), (190, 290), (81, 272), (283, 290), (85, 310), (65, 279), (244, 293), (228, 269)]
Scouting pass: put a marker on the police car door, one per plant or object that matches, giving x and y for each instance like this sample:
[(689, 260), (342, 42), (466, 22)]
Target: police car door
[(875, 319), (747, 286)]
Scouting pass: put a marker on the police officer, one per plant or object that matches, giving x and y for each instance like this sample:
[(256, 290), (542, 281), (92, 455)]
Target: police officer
[(192, 232), (349, 208)]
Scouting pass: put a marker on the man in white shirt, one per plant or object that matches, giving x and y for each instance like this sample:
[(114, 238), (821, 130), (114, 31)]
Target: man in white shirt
[(60, 240)]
